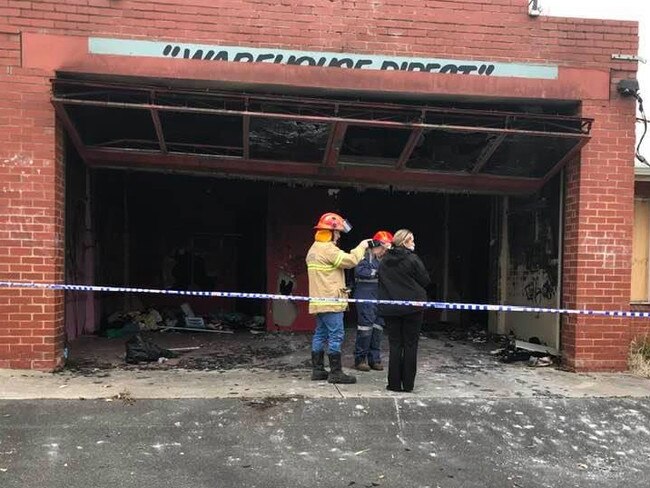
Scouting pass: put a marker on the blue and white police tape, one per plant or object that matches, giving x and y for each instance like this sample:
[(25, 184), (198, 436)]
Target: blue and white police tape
[(270, 296)]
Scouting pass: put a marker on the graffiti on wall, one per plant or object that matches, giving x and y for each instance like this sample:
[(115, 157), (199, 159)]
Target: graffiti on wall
[(534, 236), (539, 288)]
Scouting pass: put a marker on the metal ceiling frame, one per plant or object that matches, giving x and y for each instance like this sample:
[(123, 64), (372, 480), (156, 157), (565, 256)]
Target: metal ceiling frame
[(339, 115)]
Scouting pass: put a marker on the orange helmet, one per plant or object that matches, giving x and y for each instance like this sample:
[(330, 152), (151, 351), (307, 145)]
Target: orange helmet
[(384, 237), (332, 221)]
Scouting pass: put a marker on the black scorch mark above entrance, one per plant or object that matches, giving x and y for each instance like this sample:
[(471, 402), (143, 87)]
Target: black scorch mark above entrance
[(177, 51)]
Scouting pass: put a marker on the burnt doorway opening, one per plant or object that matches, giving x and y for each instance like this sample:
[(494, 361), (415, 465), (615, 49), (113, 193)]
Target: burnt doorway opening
[(183, 233), (452, 239), (218, 190)]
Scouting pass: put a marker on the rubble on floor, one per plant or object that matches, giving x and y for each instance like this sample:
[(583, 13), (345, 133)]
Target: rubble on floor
[(182, 318), (532, 352), (283, 352), (507, 349), (139, 350)]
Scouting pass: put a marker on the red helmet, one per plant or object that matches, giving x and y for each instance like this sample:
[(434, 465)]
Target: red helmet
[(332, 221), (384, 237)]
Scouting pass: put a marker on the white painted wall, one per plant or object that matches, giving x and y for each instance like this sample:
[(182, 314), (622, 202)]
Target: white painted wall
[(638, 10)]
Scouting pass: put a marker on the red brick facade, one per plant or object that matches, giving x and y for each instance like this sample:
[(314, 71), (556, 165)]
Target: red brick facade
[(599, 188)]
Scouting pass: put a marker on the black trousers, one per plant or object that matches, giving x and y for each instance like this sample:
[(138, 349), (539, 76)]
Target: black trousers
[(403, 337)]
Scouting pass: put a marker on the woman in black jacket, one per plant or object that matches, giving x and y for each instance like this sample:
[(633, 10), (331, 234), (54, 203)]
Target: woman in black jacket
[(402, 276)]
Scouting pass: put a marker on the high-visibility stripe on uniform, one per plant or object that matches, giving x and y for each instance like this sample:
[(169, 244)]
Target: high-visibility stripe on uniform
[(324, 303), (339, 259), (321, 267)]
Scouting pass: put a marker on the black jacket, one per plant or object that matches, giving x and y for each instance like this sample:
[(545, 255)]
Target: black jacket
[(402, 276)]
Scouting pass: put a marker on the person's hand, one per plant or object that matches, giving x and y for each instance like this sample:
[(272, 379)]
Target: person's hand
[(365, 243)]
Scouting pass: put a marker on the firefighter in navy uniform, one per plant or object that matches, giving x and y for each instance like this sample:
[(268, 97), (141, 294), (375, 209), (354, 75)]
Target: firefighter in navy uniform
[(370, 326)]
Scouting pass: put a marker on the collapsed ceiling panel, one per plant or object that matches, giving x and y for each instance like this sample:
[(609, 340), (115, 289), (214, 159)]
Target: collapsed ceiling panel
[(393, 143), (523, 155), (288, 140), (202, 133)]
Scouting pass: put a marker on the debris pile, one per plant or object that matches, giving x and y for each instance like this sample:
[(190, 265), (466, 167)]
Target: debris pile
[(124, 324), (533, 352), (139, 350)]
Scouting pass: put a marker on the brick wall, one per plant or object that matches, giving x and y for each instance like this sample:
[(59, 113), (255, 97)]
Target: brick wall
[(31, 200), (599, 209), (31, 219), (498, 28)]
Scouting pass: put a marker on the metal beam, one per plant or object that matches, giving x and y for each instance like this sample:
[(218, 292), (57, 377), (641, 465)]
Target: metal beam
[(487, 153), (70, 128), (334, 143), (284, 170), (318, 118), (408, 148), (159, 132), (573, 152), (246, 132), (327, 103)]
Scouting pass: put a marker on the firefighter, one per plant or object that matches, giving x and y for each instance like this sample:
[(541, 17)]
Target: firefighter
[(370, 326), (325, 265)]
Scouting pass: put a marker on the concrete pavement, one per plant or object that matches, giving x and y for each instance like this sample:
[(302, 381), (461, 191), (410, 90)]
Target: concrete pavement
[(326, 442)]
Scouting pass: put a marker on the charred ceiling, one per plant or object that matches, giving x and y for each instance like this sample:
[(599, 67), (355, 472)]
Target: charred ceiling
[(371, 143)]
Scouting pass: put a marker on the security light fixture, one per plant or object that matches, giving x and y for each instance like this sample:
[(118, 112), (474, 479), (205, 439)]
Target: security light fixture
[(534, 8), (630, 88)]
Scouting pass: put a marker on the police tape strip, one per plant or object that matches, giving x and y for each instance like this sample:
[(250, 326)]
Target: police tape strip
[(270, 296)]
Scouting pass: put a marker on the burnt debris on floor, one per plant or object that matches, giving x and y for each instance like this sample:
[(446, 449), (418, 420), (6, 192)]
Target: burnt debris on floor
[(507, 349), (194, 350), (123, 324)]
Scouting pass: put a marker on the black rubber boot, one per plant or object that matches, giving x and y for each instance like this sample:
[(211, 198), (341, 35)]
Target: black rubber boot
[(318, 372), (336, 373)]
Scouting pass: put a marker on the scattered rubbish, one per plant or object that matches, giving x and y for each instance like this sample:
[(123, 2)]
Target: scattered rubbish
[(3, 470), (529, 346), (195, 322), (125, 396), (191, 329), (125, 324), (540, 362), (162, 360), (183, 349), (358, 453), (270, 401), (536, 355), (142, 350), (63, 386), (187, 310), (582, 466)]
